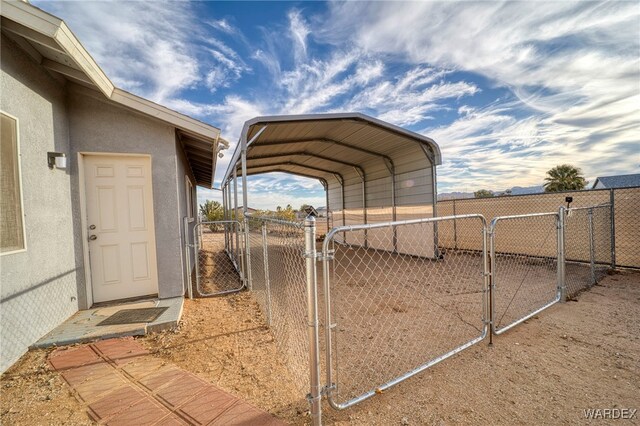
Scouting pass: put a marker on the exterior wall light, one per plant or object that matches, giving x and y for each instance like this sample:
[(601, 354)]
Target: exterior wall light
[(57, 159)]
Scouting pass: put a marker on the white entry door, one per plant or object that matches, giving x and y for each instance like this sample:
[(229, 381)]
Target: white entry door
[(121, 231)]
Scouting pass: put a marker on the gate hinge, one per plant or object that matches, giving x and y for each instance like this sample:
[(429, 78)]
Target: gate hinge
[(327, 389), (329, 256)]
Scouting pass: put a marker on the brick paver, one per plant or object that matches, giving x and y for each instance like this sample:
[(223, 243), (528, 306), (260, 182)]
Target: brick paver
[(77, 376), (180, 391), (208, 405), (144, 412), (142, 367), (123, 385), (115, 402), (62, 359), (244, 414), (163, 377)]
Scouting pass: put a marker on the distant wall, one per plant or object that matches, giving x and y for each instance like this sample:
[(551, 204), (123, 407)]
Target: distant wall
[(626, 219)]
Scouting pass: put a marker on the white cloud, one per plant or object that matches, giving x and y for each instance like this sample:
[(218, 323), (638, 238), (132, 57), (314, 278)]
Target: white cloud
[(299, 31), (153, 49), (574, 66), (572, 69)]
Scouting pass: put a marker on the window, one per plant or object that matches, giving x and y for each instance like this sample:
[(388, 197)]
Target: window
[(189, 197), (12, 236)]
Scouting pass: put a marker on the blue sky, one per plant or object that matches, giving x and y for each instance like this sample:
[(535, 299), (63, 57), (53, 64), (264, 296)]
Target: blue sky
[(507, 89)]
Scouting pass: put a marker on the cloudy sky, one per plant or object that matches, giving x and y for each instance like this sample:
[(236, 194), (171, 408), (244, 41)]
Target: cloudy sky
[(508, 89)]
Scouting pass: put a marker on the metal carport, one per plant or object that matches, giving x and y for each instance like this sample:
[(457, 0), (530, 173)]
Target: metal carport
[(372, 171)]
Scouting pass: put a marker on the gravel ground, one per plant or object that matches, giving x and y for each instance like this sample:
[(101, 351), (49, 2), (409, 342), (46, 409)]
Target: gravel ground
[(579, 355)]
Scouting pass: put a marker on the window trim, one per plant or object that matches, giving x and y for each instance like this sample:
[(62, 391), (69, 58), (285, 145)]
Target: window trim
[(19, 161), (191, 210)]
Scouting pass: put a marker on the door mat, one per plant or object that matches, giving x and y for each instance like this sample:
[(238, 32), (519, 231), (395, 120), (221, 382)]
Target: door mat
[(133, 316)]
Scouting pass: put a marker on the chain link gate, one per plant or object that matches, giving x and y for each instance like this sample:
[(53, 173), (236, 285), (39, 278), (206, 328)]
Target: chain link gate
[(527, 266), (398, 305), (219, 259)]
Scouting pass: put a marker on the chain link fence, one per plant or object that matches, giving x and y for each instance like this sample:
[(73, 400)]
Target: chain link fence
[(588, 239), (398, 297), (278, 280), (391, 313), (625, 202), (218, 258)]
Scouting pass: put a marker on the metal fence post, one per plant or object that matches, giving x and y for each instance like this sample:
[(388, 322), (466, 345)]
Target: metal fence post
[(247, 253), (612, 201), (486, 272), (592, 254), (492, 279), (312, 318), (562, 285), (265, 257)]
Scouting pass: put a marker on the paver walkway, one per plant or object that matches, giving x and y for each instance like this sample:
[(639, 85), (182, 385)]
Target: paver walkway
[(121, 384)]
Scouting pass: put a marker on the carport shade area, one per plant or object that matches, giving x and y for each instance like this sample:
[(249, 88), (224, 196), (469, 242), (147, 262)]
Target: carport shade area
[(372, 171)]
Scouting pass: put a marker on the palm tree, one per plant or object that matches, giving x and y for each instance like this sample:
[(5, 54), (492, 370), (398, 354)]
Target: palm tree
[(564, 178)]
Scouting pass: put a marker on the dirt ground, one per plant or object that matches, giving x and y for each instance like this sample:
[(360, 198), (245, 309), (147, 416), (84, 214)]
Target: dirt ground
[(579, 355)]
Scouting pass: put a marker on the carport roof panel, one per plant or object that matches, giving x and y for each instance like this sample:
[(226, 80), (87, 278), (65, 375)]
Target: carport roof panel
[(351, 137)]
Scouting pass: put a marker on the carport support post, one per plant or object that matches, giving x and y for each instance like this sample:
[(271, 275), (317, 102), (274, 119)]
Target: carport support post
[(562, 285), (245, 211), (312, 319), (235, 217), (363, 178)]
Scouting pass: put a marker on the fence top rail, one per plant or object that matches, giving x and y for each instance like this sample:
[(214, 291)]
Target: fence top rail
[(495, 220), (549, 194), (275, 220), (216, 222), (365, 226), (597, 206)]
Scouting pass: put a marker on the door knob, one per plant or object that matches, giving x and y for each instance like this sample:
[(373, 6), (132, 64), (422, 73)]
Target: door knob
[(93, 237), (92, 227)]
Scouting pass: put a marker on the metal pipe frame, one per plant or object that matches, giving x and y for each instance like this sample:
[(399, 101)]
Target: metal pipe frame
[(265, 257), (592, 254), (394, 210), (434, 203), (328, 322), (340, 180), (363, 179), (225, 216), (245, 211), (304, 154), (295, 164), (330, 141), (612, 201), (315, 394), (235, 217), (560, 267), (562, 261)]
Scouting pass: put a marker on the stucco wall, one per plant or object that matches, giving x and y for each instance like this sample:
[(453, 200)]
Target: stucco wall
[(97, 125), (38, 286)]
